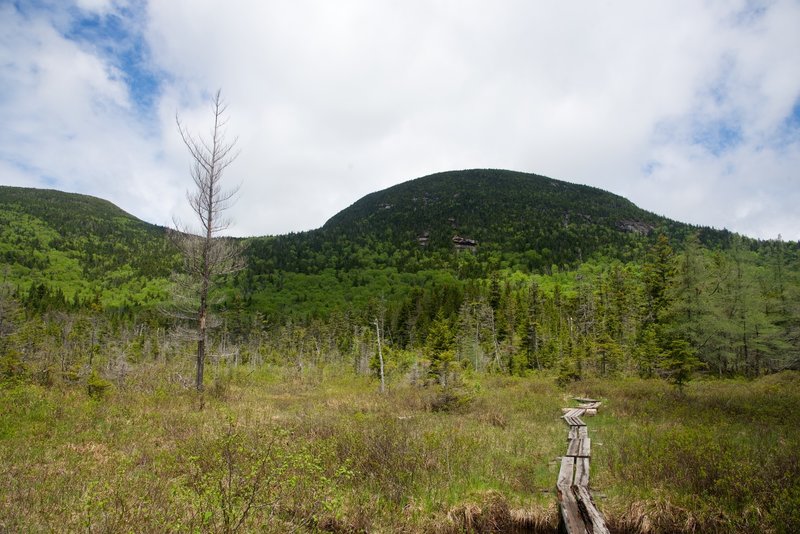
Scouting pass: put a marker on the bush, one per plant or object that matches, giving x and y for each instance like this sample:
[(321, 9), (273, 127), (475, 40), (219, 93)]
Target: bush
[(11, 366), (96, 386)]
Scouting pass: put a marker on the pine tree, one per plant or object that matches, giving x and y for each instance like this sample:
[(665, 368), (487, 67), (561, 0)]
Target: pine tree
[(658, 273), (680, 362), (440, 348)]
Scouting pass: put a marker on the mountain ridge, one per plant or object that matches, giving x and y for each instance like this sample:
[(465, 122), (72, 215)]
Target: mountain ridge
[(504, 219)]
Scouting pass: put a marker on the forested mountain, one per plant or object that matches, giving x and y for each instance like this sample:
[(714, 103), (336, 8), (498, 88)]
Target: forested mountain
[(503, 211), (65, 248), (444, 229), (523, 220), (495, 270)]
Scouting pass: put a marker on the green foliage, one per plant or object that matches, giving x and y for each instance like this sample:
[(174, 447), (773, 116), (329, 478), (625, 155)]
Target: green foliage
[(439, 345), (11, 365), (69, 251), (96, 386), (680, 362), (282, 453), (563, 277)]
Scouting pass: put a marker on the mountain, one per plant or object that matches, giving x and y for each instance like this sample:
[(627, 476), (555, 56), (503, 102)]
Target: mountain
[(492, 269), (456, 225), (501, 210), (82, 247), (524, 220)]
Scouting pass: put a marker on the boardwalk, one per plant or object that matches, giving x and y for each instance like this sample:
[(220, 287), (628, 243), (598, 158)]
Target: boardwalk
[(578, 512)]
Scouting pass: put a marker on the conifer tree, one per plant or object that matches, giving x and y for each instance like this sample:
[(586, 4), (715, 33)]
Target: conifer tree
[(439, 345)]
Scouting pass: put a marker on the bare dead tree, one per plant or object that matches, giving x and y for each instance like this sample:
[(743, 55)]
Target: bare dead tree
[(378, 335), (206, 255)]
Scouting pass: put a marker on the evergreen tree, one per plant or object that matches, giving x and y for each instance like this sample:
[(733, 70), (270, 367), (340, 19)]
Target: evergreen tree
[(658, 273), (440, 348), (680, 362)]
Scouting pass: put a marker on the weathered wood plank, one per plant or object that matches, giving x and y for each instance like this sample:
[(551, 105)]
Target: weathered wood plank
[(580, 447), (574, 421), (585, 450), (592, 518), (574, 447), (571, 420), (573, 412), (584, 399), (565, 474), (571, 517), (576, 432), (581, 477)]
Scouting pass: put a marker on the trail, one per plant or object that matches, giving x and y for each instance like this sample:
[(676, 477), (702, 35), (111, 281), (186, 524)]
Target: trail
[(579, 514)]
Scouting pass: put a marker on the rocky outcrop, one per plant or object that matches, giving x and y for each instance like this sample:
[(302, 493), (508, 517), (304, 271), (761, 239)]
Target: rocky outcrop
[(635, 227), (462, 243)]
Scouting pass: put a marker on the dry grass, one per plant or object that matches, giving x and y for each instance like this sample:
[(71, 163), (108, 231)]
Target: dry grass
[(275, 450)]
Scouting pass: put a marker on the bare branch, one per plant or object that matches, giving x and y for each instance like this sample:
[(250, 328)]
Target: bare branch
[(207, 256)]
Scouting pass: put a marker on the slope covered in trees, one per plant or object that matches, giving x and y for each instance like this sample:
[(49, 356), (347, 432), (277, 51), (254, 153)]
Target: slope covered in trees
[(72, 248), (542, 275), (525, 220)]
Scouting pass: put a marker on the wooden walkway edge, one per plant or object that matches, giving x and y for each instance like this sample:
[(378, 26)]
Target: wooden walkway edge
[(577, 509)]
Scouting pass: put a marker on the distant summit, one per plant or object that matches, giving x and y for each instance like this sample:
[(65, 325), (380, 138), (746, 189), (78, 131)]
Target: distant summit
[(504, 211)]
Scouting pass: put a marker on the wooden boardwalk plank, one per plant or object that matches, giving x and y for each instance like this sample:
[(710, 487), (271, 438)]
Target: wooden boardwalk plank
[(576, 432), (581, 477), (585, 450), (574, 421), (565, 474), (579, 515), (573, 412), (592, 518), (580, 447), (570, 512), (573, 447)]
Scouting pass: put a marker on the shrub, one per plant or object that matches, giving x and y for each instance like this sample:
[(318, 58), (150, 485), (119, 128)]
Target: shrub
[(96, 386)]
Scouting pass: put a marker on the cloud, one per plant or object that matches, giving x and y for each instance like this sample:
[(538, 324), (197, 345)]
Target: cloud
[(689, 109)]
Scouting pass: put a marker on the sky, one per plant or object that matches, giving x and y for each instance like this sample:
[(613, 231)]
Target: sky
[(689, 108)]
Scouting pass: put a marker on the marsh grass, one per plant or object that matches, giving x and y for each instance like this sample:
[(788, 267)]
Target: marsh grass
[(280, 450), (722, 457)]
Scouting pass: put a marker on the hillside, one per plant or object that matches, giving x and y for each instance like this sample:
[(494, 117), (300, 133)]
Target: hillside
[(527, 221), (457, 225), (81, 247), (524, 257), (503, 211)]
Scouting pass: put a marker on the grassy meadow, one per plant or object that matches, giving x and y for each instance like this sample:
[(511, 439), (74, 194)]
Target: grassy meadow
[(275, 449)]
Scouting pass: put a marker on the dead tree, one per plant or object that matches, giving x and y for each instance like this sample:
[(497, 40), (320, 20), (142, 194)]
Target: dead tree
[(380, 354), (207, 255)]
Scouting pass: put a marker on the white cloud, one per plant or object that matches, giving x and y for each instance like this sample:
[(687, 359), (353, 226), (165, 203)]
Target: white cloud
[(677, 105), (68, 120), (101, 7)]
